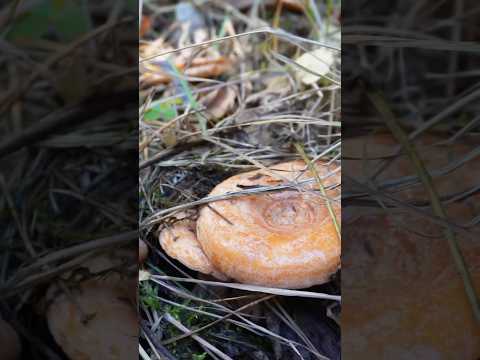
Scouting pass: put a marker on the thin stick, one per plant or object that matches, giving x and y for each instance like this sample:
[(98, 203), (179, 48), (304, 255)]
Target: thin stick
[(256, 288), (437, 207), (205, 344)]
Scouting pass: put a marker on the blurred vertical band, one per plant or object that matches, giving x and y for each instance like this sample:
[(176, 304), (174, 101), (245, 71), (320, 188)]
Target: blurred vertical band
[(410, 170), (68, 179)]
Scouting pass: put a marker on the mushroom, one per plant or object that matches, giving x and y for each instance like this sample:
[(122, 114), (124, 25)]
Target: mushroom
[(180, 242), (142, 251), (283, 238), (363, 156), (403, 297), (10, 343), (97, 318)]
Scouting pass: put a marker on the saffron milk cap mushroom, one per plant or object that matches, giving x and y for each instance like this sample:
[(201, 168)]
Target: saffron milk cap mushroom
[(96, 319), (10, 347), (142, 251), (363, 156), (284, 238), (403, 296), (180, 242)]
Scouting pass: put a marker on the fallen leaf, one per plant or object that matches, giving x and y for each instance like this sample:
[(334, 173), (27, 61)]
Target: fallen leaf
[(143, 275), (169, 137), (278, 85), (318, 61), (219, 103), (146, 25), (209, 67)]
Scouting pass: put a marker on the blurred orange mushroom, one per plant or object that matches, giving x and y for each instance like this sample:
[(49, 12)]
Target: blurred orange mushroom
[(96, 318), (142, 251), (10, 343), (404, 297)]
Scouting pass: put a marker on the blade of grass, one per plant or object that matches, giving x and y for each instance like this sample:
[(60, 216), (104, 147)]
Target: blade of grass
[(205, 344), (191, 99), (255, 288), (382, 107), (311, 167)]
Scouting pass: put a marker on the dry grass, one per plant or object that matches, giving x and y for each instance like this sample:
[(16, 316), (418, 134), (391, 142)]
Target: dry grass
[(187, 150), (63, 184), (409, 70)]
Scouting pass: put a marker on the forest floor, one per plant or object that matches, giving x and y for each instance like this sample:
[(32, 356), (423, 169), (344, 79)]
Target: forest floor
[(225, 87)]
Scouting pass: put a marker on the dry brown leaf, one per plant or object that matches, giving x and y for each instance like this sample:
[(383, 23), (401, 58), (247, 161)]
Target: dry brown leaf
[(278, 85), (219, 103), (212, 68), (169, 137), (318, 61), (146, 25), (199, 67)]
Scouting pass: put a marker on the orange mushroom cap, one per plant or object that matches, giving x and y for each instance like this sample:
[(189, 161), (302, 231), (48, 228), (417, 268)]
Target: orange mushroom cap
[(10, 347), (363, 156), (180, 242), (404, 297), (142, 251), (97, 318), (278, 239), (403, 294)]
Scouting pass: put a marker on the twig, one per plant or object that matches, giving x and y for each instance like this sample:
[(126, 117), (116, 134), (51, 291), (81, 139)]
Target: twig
[(437, 207)]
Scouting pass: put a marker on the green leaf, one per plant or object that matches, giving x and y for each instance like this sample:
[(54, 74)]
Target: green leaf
[(32, 25), (199, 356), (165, 111), (132, 6), (72, 20), (65, 17)]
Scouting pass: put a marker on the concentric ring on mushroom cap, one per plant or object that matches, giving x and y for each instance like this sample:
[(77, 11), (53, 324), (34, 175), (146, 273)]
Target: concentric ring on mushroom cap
[(279, 239)]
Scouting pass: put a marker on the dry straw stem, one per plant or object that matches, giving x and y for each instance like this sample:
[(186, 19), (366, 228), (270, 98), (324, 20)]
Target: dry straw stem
[(389, 118), (33, 274), (205, 344), (289, 113), (243, 323), (254, 288), (312, 168), (220, 319), (405, 205), (160, 215), (10, 97), (400, 42), (265, 30)]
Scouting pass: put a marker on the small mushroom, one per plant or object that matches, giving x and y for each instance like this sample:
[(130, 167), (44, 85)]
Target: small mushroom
[(10, 347), (142, 251), (96, 319), (285, 238), (180, 242)]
